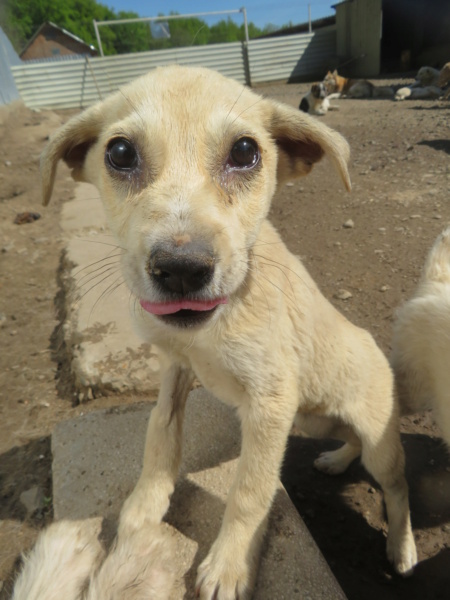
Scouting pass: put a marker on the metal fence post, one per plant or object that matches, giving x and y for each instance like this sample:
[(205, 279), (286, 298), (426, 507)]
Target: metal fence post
[(246, 49)]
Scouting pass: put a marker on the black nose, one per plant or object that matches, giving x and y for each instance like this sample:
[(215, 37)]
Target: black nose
[(181, 269)]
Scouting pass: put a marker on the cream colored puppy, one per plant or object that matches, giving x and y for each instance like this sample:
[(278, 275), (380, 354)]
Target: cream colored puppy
[(187, 163), (421, 341)]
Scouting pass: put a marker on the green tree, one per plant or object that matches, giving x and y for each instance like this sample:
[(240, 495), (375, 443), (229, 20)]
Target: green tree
[(226, 31), (20, 19), (130, 37)]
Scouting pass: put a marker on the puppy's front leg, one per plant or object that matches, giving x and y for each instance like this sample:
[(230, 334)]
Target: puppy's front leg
[(229, 570), (150, 498)]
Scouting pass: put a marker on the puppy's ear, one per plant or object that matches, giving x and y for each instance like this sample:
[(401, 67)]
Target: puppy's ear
[(302, 141), (70, 143)]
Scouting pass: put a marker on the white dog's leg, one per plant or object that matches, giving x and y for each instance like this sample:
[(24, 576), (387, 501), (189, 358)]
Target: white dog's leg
[(150, 498), (441, 410), (229, 570)]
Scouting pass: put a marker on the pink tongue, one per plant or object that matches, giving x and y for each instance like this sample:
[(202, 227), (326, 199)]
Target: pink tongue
[(168, 308)]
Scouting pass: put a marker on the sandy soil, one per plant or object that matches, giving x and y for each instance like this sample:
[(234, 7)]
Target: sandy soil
[(401, 177)]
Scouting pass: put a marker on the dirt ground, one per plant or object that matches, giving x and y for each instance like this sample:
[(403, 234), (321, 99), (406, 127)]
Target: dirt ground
[(370, 243)]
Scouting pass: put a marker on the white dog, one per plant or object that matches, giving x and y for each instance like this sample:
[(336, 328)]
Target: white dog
[(426, 76), (418, 93), (316, 101), (421, 341), (68, 563), (187, 163)]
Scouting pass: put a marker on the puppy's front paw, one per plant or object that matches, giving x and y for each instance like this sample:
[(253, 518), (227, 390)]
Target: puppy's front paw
[(146, 505), (224, 575)]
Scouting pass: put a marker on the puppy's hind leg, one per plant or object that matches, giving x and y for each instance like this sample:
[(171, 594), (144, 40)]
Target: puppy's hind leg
[(332, 462), (383, 457), (149, 500), (337, 461)]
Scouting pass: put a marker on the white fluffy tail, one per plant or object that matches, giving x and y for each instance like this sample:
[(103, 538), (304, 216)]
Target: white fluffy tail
[(61, 562), (437, 265), (139, 567), (66, 564), (421, 340)]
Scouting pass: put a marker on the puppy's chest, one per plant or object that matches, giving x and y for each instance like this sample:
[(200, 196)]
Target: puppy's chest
[(218, 378)]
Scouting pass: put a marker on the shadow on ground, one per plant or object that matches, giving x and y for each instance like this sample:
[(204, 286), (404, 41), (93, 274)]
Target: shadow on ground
[(352, 541)]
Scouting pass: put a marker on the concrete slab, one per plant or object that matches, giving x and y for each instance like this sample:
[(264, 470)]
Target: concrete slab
[(105, 353), (97, 460)]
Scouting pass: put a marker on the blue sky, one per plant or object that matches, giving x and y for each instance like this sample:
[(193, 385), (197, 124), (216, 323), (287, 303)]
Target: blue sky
[(260, 13)]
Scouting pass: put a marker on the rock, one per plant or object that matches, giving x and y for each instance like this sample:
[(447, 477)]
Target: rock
[(26, 217), (33, 499), (349, 224), (384, 288), (344, 295)]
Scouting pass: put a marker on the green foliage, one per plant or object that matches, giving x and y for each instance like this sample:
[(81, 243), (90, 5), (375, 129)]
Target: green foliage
[(20, 19)]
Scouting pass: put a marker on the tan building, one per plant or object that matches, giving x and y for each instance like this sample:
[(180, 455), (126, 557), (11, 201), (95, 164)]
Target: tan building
[(375, 36), (51, 41)]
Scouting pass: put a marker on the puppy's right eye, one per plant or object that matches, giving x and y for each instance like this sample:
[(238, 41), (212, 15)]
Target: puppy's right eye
[(121, 155), (244, 154)]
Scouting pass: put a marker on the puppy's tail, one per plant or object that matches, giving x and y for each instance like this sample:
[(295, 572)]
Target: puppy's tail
[(140, 566), (437, 265), (61, 562)]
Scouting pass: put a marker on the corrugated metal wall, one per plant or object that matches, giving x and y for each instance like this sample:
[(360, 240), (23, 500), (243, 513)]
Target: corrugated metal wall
[(294, 56), (8, 57), (79, 83)]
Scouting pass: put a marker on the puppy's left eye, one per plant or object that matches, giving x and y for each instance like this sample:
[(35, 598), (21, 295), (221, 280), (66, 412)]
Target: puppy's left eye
[(121, 154), (244, 154)]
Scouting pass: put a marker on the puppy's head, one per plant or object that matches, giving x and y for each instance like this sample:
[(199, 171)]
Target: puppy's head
[(444, 76), (186, 162), (330, 82), (318, 90), (427, 76)]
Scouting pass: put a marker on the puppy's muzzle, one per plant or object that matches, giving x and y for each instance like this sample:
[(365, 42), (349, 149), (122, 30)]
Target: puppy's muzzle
[(181, 269), (181, 273)]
